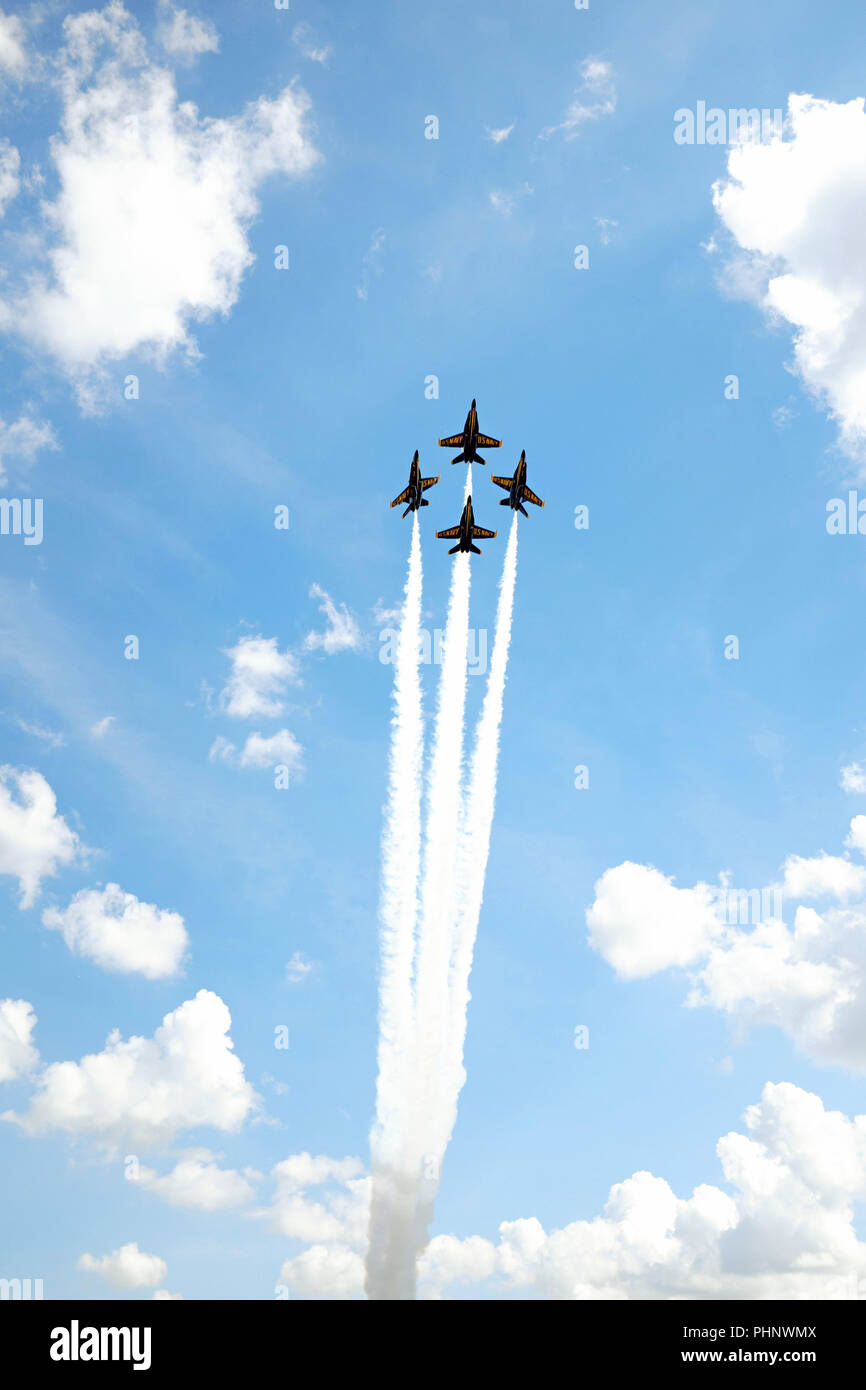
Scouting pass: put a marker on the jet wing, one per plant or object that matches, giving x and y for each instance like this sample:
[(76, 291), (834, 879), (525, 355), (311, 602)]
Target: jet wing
[(479, 533), (527, 495), (454, 441), (484, 441), (503, 482), (402, 498), (428, 482), (450, 535)]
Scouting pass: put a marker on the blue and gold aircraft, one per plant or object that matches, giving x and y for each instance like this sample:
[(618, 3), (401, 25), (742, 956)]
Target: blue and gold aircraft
[(470, 441), (466, 532), (417, 485), (518, 492)]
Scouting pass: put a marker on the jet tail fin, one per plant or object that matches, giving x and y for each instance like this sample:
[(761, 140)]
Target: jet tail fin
[(454, 549), (461, 458), (506, 502), (423, 502), (474, 549)]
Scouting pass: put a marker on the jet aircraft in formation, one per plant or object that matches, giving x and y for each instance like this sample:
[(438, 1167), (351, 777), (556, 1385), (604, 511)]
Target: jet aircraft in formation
[(465, 532), (518, 492), (468, 441), (413, 494)]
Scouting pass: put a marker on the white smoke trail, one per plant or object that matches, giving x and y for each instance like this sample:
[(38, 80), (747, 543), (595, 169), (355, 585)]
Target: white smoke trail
[(438, 894), (474, 844), (391, 1254)]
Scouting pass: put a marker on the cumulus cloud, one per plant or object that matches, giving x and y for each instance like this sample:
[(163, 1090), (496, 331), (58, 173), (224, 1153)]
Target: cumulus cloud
[(807, 978), (641, 923), (852, 778), (342, 633), (148, 233), (34, 840), (142, 1091), (596, 97), (783, 1229), (120, 933), (333, 1223), (259, 676), (22, 439), (499, 133), (184, 35), (126, 1268), (795, 206), (197, 1181), (13, 55), (280, 749), (18, 1056)]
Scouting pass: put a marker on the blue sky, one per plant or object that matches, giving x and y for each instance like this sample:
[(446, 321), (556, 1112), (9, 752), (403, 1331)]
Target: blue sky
[(412, 258)]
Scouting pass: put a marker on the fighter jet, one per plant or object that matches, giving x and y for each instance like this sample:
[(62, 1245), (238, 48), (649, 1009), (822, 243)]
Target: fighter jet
[(470, 440), (417, 485), (466, 532), (518, 492)]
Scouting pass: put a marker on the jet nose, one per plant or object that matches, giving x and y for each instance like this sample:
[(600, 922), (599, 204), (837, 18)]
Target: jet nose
[(473, 404)]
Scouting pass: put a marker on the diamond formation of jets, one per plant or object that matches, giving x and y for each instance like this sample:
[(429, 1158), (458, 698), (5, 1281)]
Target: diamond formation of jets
[(413, 493), (469, 441), (465, 532), (518, 492)]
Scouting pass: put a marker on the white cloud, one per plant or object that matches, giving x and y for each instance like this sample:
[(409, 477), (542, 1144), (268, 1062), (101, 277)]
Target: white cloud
[(49, 737), (333, 1223), (852, 778), (605, 225), (273, 750), (302, 38), (504, 202), (18, 1056), (500, 133), (371, 264), (856, 838), (596, 97), (126, 1268), (144, 1090), (299, 968), (342, 633), (197, 1181), (13, 58), (163, 1296), (641, 923), (148, 233), (786, 1232), (809, 979), (796, 207), (259, 676), (824, 876), (182, 33), (23, 439), (101, 727), (120, 933), (784, 1229), (34, 840), (324, 1272), (10, 174)]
